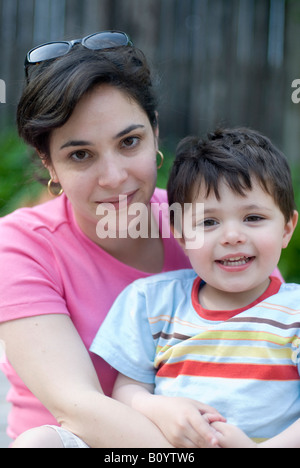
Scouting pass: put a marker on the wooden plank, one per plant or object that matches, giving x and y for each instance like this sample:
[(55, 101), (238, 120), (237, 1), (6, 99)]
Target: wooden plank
[(8, 37), (95, 16), (57, 16), (41, 24)]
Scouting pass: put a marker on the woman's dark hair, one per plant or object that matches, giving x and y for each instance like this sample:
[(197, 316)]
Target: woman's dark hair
[(236, 156), (55, 87)]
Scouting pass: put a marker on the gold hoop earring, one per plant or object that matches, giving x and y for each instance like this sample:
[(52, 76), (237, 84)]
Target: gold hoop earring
[(50, 189), (161, 159)]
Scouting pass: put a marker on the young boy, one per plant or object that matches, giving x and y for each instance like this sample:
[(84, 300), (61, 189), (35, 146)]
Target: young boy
[(226, 333)]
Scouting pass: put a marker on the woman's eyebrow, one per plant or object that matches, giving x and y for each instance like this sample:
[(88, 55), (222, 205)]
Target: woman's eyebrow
[(76, 143), (128, 130)]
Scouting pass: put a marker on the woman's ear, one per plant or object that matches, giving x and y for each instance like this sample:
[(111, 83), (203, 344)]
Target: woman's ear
[(47, 165), (289, 229)]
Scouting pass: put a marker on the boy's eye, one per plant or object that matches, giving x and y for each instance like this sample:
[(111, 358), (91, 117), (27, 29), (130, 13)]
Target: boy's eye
[(253, 218), (210, 222)]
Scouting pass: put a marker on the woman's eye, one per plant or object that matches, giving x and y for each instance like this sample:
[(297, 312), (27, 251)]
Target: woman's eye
[(79, 156), (130, 142)]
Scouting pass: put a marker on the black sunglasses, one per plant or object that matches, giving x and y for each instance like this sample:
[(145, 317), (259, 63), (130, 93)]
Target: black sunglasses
[(97, 41)]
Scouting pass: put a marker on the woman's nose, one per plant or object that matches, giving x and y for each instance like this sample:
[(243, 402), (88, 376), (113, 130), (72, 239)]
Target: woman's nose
[(111, 172)]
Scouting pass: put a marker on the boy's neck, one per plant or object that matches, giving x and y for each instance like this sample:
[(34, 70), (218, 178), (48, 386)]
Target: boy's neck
[(215, 299)]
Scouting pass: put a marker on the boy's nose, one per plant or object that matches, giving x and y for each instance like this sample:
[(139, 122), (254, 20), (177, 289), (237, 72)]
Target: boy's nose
[(233, 234)]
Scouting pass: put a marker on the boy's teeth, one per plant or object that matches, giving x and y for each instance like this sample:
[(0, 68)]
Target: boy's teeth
[(235, 261)]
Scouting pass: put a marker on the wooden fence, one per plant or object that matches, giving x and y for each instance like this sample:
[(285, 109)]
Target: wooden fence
[(227, 62)]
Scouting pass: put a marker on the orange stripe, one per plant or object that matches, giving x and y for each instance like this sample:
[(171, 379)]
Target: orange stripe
[(280, 308), (230, 371), (169, 319)]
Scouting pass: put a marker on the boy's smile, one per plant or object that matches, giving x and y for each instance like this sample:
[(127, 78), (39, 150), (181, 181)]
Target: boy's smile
[(243, 239), (236, 263)]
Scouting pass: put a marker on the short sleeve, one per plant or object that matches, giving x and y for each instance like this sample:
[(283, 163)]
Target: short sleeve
[(29, 282), (124, 339)]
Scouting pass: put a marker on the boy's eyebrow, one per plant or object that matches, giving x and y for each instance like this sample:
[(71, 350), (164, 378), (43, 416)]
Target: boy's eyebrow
[(210, 209), (256, 207), (252, 207), (205, 211)]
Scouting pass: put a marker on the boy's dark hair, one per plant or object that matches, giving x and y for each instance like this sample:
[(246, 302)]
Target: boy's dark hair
[(55, 87), (236, 156)]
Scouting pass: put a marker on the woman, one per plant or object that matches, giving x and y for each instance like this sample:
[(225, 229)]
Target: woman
[(89, 111)]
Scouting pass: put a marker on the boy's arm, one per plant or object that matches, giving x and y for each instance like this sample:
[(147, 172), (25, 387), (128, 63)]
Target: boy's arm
[(184, 422), (290, 438), (232, 437)]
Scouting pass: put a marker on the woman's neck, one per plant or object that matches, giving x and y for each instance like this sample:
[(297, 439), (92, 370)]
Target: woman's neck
[(143, 253), (146, 255)]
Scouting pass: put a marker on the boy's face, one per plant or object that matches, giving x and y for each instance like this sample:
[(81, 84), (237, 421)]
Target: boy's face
[(243, 239)]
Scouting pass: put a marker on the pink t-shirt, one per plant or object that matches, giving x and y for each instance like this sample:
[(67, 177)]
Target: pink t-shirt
[(48, 266)]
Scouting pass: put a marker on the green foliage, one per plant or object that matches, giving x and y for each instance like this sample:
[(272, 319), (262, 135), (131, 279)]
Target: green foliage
[(164, 171), (290, 259), (17, 186)]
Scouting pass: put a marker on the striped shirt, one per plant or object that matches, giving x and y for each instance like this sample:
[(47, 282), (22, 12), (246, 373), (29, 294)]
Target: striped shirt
[(245, 362)]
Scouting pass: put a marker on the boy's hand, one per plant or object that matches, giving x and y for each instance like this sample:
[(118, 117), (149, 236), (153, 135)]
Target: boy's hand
[(186, 423), (230, 436)]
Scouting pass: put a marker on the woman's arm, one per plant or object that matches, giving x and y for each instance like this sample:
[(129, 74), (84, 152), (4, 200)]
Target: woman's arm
[(183, 421), (49, 356)]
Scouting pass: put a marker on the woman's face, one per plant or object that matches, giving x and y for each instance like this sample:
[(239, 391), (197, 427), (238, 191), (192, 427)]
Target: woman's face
[(105, 150)]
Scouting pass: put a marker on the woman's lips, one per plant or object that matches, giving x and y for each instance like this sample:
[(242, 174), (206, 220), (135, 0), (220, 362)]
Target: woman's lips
[(119, 201)]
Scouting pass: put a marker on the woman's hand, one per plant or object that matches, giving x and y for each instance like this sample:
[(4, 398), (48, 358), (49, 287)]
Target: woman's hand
[(186, 423)]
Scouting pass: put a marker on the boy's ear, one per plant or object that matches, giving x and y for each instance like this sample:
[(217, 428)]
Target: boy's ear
[(289, 229)]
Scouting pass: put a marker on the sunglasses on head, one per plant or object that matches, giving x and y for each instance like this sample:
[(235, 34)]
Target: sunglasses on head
[(97, 41)]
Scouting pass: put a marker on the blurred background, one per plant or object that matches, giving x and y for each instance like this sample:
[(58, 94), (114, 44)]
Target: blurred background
[(215, 62)]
